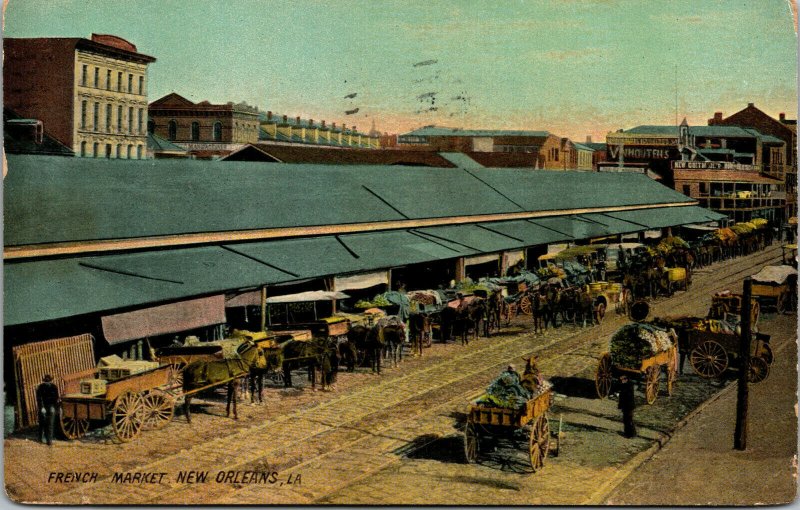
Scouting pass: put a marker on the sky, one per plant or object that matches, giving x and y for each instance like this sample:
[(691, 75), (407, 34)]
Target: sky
[(571, 67)]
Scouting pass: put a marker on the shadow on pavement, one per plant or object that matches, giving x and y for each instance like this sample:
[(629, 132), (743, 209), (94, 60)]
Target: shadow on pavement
[(433, 447), (574, 387)]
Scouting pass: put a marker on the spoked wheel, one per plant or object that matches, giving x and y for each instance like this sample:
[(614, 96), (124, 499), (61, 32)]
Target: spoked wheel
[(709, 359), (74, 428), (539, 443), (175, 375), (600, 312), (127, 416), (651, 384), (759, 370), (277, 375), (525, 305), (471, 443), (766, 353), (603, 378), (672, 373), (158, 408)]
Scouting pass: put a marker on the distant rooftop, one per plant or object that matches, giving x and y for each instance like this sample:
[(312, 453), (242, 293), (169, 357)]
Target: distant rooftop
[(444, 131)]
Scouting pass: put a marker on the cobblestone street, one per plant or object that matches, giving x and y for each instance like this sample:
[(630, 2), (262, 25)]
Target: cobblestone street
[(396, 438)]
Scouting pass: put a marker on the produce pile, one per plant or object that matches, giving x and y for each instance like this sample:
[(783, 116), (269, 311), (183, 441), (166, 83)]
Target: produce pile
[(668, 244), (423, 297), (505, 391), (743, 228), (578, 251), (759, 222), (377, 302), (632, 343), (551, 271), (724, 235)]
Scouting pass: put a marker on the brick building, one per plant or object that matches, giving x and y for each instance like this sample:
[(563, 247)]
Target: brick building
[(548, 150), (89, 94), (285, 130), (204, 129)]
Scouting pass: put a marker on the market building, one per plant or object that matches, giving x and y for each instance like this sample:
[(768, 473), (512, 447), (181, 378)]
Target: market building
[(284, 130), (89, 94)]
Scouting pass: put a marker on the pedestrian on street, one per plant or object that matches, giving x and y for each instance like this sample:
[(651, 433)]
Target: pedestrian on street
[(627, 403), (47, 399)]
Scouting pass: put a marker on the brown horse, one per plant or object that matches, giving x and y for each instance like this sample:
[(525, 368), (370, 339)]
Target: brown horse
[(203, 374), (494, 307), (420, 331)]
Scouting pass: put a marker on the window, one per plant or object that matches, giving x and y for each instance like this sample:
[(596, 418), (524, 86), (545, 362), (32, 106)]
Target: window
[(109, 110), (83, 149), (108, 79), (130, 84), (96, 77), (108, 150), (96, 149), (138, 152), (96, 123), (119, 81), (141, 121), (218, 131), (151, 126), (83, 114), (119, 150), (687, 190), (703, 188), (119, 119), (173, 130), (195, 131), (130, 119), (141, 85), (84, 72), (130, 151)]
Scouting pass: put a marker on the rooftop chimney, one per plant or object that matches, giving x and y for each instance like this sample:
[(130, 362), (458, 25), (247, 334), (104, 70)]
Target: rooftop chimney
[(311, 122), (717, 115), (588, 138), (750, 105), (285, 119), (269, 115), (333, 125), (297, 121), (323, 124), (782, 116)]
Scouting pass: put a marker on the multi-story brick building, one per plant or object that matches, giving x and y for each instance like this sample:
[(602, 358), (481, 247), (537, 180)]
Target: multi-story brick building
[(90, 94), (204, 129), (548, 150)]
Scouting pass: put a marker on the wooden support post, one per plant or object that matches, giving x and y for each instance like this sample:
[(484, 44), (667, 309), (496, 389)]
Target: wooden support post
[(461, 269), (740, 434), (263, 308)]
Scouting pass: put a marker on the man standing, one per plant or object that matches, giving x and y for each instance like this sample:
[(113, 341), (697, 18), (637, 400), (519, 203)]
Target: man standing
[(47, 399), (627, 404)]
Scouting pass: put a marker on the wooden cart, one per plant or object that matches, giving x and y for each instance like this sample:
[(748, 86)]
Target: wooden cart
[(485, 421), (710, 354), (775, 287), (603, 294), (727, 303), (648, 372), (131, 403), (676, 278)]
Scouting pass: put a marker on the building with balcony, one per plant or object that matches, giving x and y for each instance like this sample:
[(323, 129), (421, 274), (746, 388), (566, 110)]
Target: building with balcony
[(89, 94), (205, 130)]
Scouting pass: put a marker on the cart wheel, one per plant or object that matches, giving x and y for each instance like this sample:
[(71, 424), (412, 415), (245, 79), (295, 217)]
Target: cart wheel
[(525, 305), (539, 443), (175, 376), (471, 443), (600, 312), (766, 353), (277, 375), (127, 416), (603, 378), (759, 370), (651, 384), (709, 359), (74, 428), (158, 408)]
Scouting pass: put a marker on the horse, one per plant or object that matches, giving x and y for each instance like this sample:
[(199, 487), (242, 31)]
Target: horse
[(420, 331), (209, 373), (538, 311), (585, 308), (447, 323), (309, 354), (553, 296), (274, 361), (494, 307), (394, 336), (531, 377)]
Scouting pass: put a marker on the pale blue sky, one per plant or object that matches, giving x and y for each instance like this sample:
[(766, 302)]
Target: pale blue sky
[(573, 67)]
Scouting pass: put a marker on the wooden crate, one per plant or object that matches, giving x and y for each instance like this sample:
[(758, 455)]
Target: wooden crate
[(338, 328), (93, 386)]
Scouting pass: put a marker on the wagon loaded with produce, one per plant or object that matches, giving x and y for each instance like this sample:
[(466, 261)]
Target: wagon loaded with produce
[(509, 410), (713, 346), (639, 351)]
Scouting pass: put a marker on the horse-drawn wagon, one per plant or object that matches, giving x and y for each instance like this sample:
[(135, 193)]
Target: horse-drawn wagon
[(489, 421), (639, 351), (775, 288), (604, 295), (712, 350)]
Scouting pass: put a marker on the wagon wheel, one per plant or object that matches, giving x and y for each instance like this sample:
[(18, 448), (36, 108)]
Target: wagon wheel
[(277, 375), (539, 443), (175, 375), (766, 353), (471, 443), (603, 378), (709, 359), (525, 305), (600, 312), (509, 311), (73, 428), (651, 384), (759, 370), (127, 416), (158, 408)]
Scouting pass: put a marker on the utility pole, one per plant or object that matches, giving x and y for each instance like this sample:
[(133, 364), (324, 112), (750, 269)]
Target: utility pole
[(740, 434)]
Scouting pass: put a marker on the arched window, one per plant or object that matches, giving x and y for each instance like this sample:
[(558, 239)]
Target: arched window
[(83, 149), (151, 126), (96, 150), (195, 131), (218, 131), (173, 130), (119, 150), (130, 151), (138, 152)]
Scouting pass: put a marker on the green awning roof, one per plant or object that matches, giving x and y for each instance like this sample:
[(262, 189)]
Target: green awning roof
[(473, 238), (668, 216), (529, 232)]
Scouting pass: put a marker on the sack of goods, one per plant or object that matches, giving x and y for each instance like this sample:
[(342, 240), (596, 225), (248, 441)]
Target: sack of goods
[(633, 343)]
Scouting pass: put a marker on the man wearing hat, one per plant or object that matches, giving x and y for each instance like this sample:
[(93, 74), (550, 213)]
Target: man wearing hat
[(47, 399), (627, 403)]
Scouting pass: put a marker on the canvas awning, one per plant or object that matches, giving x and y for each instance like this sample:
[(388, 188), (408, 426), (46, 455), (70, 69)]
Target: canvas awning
[(481, 259), (164, 319), (312, 295), (249, 298), (361, 281)]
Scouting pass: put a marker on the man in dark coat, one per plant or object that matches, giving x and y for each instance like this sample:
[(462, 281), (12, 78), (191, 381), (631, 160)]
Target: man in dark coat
[(627, 403), (47, 400)]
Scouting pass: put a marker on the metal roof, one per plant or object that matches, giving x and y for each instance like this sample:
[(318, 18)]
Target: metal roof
[(667, 216), (156, 143), (50, 200), (460, 159), (444, 131), (702, 131)]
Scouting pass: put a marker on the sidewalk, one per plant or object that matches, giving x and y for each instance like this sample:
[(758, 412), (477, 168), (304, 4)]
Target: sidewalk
[(698, 466)]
